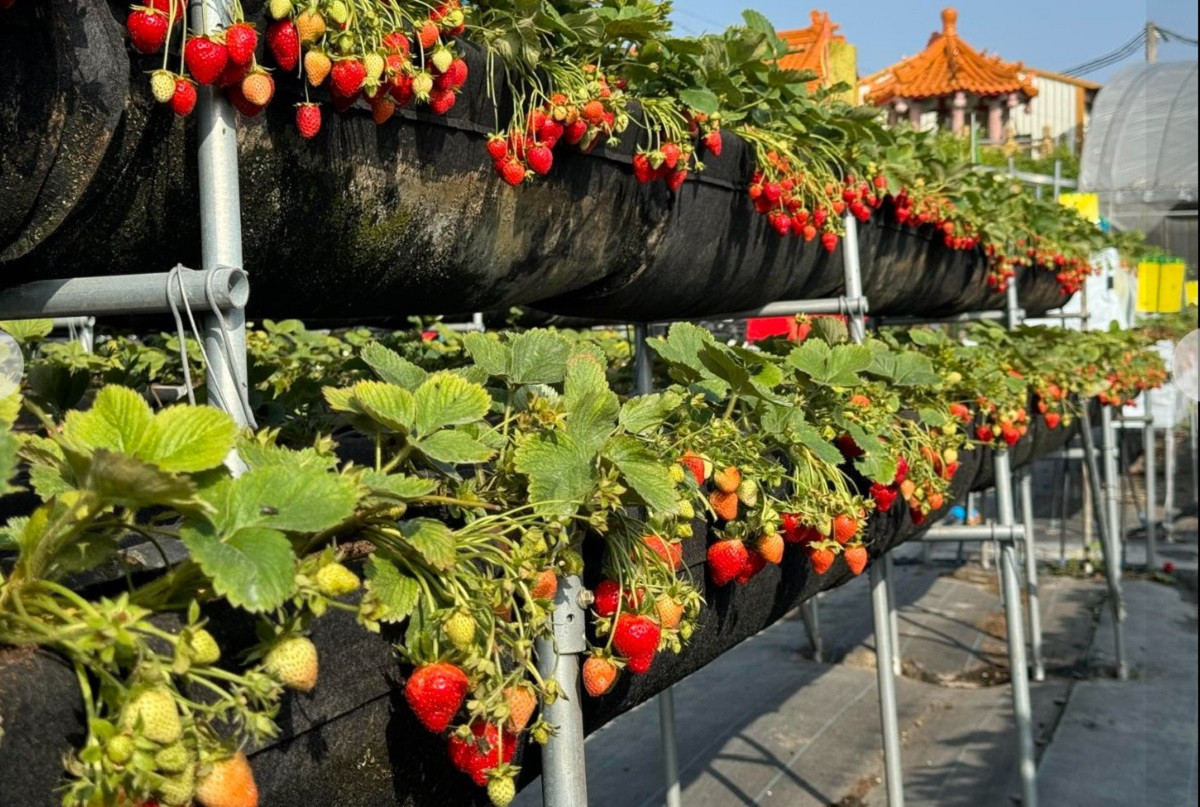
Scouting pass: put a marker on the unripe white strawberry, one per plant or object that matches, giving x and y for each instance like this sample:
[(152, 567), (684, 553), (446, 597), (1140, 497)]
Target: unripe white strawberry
[(441, 58), (155, 714), (162, 85), (335, 580), (293, 663)]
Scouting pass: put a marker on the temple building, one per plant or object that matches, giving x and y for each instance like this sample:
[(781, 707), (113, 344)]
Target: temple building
[(821, 49)]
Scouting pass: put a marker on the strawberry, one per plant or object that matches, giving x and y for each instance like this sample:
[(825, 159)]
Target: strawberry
[(481, 750), (803, 329), (636, 638), (790, 522), (821, 558), (283, 40), (726, 559), (984, 434), (310, 25), (258, 87), (606, 597), (755, 563), (1052, 419), (335, 580), (712, 142), (154, 714), (669, 612), (205, 59), (179, 789), (727, 481), (545, 585), (829, 241), (172, 8), (317, 66), (521, 702), (459, 628), (240, 40), (442, 101), (670, 154), (232, 75), (497, 147), (402, 89), (278, 9), (724, 505), (917, 514), (540, 159), (162, 85), (511, 170), (643, 171), (308, 120), (695, 464), (456, 76), (202, 648), (935, 500), (884, 496), (901, 471), (240, 103), (382, 108), (501, 790), (574, 132), (427, 35), (676, 178), (599, 675), (845, 444), (183, 101), (435, 692), (228, 783), (671, 554), (770, 546), (856, 558), (844, 527), (1010, 434), (147, 29), (293, 663), (949, 471), (347, 76), (747, 492), (960, 411)]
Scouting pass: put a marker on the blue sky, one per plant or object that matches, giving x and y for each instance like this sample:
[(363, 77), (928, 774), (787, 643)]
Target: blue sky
[(1041, 33)]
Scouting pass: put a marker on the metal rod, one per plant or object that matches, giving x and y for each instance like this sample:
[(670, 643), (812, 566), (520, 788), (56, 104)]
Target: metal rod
[(889, 722), (1150, 466), (564, 769), (970, 316), (1018, 675), (1012, 313), (124, 295), (974, 532), (853, 277), (1031, 577), (1111, 567), (849, 305), (1168, 517), (1192, 429), (643, 370), (1112, 510), (810, 614), (220, 228), (893, 614)]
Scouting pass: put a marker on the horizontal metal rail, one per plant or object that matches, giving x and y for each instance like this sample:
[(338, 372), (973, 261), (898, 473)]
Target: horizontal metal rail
[(974, 532), (224, 287), (970, 316)]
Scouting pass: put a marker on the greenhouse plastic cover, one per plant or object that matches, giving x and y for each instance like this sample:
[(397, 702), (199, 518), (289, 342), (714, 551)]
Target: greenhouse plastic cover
[(1140, 151)]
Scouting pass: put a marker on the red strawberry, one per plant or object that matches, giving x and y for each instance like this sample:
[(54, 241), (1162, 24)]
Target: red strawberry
[(643, 171), (283, 40), (606, 596), (695, 464), (676, 178), (712, 142), (168, 7), (184, 99), (671, 554), (484, 750), (724, 505), (803, 329), (918, 515), (205, 59), (435, 693), (347, 76), (575, 131), (233, 74), (960, 411), (727, 480), (636, 638), (844, 527), (441, 100), (427, 35), (845, 444), (241, 103), (382, 108), (1010, 434), (901, 471), (726, 559), (770, 546), (599, 675), (984, 434), (884, 496), (829, 241), (147, 29), (497, 147), (671, 154), (755, 563), (308, 120), (402, 89), (456, 74), (856, 558), (790, 523), (540, 158), (1052, 419), (241, 40), (821, 558), (512, 171)]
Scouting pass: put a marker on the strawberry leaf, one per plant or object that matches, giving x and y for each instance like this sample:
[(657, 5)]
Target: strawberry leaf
[(253, 568), (395, 592), (445, 399), (645, 474), (561, 472), (489, 353), (391, 367), (387, 404), (454, 446), (400, 487), (432, 539), (187, 439), (292, 499), (117, 421), (539, 357)]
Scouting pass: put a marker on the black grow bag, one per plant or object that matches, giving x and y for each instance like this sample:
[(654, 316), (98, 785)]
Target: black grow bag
[(355, 743)]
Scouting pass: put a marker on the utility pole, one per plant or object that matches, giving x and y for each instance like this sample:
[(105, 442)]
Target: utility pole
[(1151, 42)]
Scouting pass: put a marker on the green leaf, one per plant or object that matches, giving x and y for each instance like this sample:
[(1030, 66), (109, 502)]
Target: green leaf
[(539, 357), (261, 455), (187, 439), (701, 100), (8, 462), (386, 404), (433, 539), (254, 568), (129, 481), (445, 399), (391, 588), (590, 405), (645, 474), (117, 421), (391, 367), (454, 446), (27, 330), (809, 437), (834, 367), (561, 472), (398, 486), (643, 414), (488, 352), (934, 418), (289, 498), (682, 346)]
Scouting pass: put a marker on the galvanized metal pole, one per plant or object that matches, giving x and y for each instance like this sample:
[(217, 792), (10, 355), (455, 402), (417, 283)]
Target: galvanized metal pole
[(1019, 676), (643, 373), (220, 225), (889, 575), (810, 614), (1168, 517), (1150, 466), (886, 680), (564, 769), (1111, 563), (1057, 179), (1112, 509), (1192, 429), (1031, 577), (853, 274)]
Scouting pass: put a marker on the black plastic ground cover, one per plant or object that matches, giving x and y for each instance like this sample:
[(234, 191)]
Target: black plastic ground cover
[(375, 222), (354, 742)]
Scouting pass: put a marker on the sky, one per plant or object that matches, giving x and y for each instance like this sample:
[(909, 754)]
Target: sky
[(1039, 33)]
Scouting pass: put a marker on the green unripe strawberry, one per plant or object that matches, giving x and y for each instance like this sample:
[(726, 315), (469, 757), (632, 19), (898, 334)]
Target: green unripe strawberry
[(178, 790), (502, 790), (173, 759), (747, 492), (460, 628), (374, 64), (335, 580), (338, 11), (540, 733), (571, 562), (203, 647), (686, 510), (162, 85), (155, 714), (280, 9), (119, 748), (676, 472), (422, 84), (441, 59), (293, 663)]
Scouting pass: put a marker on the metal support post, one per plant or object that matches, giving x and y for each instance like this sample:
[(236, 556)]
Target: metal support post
[(1192, 428), (1112, 566), (1168, 517), (643, 373), (810, 614), (1019, 676), (889, 570), (221, 229), (1112, 509), (127, 295), (564, 770), (1150, 466), (889, 722), (853, 274), (1031, 577)]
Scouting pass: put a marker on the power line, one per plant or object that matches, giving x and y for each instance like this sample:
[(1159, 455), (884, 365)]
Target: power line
[(1171, 36), (1123, 52)]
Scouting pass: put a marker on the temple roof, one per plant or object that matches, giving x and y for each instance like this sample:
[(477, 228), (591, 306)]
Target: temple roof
[(948, 65), (808, 48)]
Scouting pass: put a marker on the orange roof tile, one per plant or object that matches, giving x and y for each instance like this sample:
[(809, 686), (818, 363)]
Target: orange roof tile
[(948, 65), (808, 48)]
